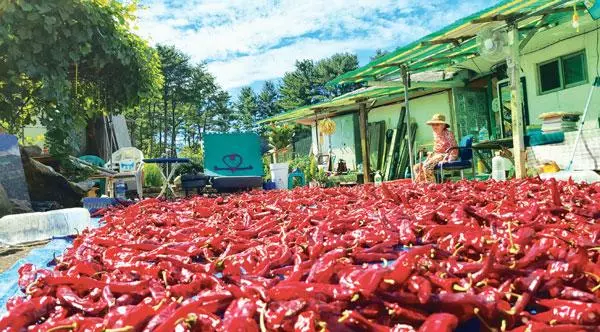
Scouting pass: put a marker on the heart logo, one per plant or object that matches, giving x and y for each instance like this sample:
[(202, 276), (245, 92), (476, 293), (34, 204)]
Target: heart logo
[(233, 161)]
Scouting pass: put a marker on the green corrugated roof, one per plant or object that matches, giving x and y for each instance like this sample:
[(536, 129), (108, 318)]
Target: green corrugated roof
[(341, 101), (422, 56), (418, 55)]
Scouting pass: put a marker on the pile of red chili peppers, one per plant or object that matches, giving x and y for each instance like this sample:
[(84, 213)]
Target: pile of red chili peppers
[(515, 256)]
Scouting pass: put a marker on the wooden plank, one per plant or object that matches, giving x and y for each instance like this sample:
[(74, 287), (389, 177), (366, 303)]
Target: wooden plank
[(376, 132), (395, 144), (516, 106), (396, 157), (405, 157), (390, 153)]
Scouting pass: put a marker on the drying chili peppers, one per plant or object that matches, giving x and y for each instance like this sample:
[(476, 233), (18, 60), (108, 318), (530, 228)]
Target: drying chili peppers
[(520, 255)]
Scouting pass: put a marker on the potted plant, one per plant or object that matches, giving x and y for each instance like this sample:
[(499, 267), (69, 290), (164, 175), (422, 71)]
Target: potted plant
[(280, 139)]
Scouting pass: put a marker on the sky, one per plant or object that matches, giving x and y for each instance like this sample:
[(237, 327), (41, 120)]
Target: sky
[(245, 42)]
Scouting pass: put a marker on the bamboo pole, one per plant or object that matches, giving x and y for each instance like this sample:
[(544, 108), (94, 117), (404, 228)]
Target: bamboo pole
[(411, 158), (363, 120)]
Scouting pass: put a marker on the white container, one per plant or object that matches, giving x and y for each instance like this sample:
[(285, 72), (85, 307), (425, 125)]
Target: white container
[(279, 175), (498, 168), (38, 226), (378, 179)]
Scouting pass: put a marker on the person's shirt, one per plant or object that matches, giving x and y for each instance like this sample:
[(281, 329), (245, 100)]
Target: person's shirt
[(444, 141)]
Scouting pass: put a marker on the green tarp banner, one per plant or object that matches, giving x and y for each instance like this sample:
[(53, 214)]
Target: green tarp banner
[(232, 154)]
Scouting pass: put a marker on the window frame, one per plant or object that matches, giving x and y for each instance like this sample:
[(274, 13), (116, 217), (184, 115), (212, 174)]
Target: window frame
[(585, 69), (561, 73)]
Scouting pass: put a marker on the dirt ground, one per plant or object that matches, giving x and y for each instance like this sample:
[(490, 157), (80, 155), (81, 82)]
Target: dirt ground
[(8, 256)]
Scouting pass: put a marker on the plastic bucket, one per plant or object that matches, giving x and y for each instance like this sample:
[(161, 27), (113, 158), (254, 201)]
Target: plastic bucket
[(279, 175)]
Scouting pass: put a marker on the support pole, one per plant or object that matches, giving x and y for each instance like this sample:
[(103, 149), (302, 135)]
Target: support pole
[(516, 106), (363, 120), (411, 157)]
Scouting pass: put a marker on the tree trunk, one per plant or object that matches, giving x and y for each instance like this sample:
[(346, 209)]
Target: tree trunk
[(152, 129), (173, 129), (165, 121)]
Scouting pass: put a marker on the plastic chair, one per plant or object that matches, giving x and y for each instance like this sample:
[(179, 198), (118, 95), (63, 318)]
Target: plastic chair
[(297, 173), (129, 162), (464, 161)]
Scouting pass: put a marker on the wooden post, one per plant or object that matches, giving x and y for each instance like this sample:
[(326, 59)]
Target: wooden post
[(516, 106), (363, 120)]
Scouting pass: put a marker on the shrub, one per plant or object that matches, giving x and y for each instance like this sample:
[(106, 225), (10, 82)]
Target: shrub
[(152, 176)]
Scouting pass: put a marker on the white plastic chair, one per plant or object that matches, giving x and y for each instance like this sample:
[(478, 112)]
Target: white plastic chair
[(129, 163)]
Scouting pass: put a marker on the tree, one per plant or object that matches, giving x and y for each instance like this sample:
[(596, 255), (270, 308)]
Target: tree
[(330, 68), (378, 54), (306, 85), (66, 61), (190, 105), (177, 73), (268, 101), (247, 109), (298, 85)]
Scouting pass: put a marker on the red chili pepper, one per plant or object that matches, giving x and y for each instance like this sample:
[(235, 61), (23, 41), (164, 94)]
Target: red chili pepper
[(67, 296), (323, 268), (354, 319), (410, 314), (191, 313), (280, 311), (421, 286), (135, 318), (362, 280), (306, 322), (439, 323), (240, 316), (164, 312), (26, 314), (300, 290), (404, 264)]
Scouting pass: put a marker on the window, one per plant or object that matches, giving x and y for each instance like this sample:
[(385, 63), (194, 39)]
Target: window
[(561, 73)]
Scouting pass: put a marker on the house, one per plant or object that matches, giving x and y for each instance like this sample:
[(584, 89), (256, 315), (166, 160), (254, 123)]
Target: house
[(457, 73)]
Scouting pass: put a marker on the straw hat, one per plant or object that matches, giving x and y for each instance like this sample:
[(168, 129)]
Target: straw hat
[(438, 119)]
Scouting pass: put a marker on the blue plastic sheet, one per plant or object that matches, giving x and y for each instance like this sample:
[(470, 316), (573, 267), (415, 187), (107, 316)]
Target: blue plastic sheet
[(40, 257)]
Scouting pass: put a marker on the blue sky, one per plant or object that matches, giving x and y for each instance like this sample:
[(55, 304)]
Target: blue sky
[(246, 42)]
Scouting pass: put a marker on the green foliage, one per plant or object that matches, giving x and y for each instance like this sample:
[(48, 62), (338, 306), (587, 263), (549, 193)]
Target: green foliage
[(304, 164), (281, 136), (378, 54), (268, 101), (196, 156), (247, 108), (190, 104), (152, 175), (313, 169), (267, 167), (65, 61), (306, 85)]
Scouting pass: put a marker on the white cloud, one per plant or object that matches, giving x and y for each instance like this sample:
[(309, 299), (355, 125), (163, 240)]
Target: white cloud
[(246, 41)]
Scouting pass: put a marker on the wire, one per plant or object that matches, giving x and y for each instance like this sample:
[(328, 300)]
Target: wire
[(475, 63)]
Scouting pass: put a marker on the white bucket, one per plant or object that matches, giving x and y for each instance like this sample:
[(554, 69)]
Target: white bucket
[(279, 175)]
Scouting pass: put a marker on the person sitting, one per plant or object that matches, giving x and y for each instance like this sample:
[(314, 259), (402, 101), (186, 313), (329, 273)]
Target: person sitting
[(443, 140)]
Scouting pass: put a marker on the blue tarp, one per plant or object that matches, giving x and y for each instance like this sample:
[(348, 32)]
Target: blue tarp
[(39, 257)]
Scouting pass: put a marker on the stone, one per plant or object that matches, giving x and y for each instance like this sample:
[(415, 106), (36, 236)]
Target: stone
[(5, 204), (20, 206), (45, 184), (12, 176), (33, 150)]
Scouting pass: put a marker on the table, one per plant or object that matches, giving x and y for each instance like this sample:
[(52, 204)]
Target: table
[(173, 164), (500, 144)]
